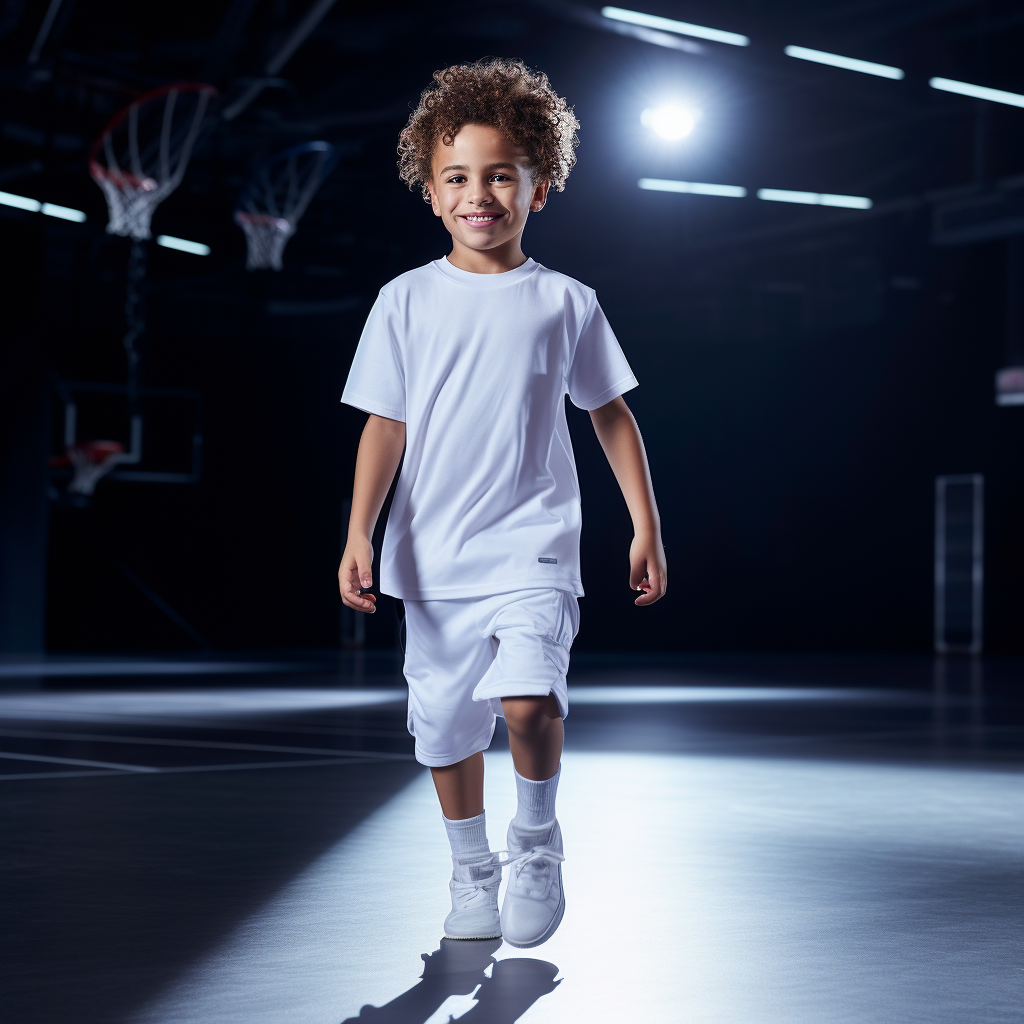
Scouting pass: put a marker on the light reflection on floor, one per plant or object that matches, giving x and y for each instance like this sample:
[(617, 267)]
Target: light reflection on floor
[(211, 703), (70, 707), (699, 889), (613, 694)]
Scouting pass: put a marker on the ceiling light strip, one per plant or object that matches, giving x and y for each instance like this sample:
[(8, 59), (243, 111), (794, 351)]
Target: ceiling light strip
[(183, 245), (682, 28), (62, 212), (782, 195), (699, 188), (834, 60), (35, 206), (978, 92), (20, 202), (777, 195)]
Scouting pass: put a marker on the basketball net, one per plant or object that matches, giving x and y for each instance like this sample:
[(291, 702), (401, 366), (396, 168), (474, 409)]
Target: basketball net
[(275, 199), (265, 239), (141, 156), (91, 463)]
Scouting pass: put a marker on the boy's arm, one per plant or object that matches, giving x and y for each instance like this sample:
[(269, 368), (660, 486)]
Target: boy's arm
[(380, 451), (624, 447)]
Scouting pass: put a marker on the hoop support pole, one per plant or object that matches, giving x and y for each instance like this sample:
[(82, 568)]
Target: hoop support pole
[(70, 424)]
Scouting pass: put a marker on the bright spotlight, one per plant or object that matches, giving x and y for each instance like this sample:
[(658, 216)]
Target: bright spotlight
[(670, 122)]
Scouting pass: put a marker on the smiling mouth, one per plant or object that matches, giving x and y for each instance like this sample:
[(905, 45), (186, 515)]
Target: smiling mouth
[(481, 219)]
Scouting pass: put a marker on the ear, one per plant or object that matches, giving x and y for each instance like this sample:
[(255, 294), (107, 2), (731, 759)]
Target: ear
[(540, 196), (434, 204)]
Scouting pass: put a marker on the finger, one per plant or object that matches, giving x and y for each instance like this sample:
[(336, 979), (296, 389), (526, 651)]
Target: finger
[(637, 571), (365, 571), (360, 602), (352, 595), (659, 581), (348, 581), (652, 589)]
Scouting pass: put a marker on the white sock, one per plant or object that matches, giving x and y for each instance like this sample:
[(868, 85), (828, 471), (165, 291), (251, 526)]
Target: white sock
[(536, 801), (467, 835)]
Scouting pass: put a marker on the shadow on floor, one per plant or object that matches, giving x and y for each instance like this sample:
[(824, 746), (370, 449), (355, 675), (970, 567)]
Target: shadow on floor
[(454, 979)]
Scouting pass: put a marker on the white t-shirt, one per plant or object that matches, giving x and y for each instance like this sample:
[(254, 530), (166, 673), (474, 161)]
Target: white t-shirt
[(477, 367)]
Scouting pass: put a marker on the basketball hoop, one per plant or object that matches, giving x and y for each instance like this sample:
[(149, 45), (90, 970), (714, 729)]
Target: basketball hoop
[(276, 197), (91, 461), (265, 239), (141, 156)]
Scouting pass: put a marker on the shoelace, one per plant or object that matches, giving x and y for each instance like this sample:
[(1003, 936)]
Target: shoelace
[(472, 893), (531, 887), (528, 876), (504, 859)]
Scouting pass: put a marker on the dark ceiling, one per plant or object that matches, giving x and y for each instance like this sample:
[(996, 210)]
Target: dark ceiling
[(770, 121)]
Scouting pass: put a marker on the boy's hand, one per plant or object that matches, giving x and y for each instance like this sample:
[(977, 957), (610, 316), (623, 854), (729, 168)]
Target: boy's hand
[(356, 575), (647, 569)]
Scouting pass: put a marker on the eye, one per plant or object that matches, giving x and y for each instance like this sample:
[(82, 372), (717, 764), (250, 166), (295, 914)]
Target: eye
[(456, 179), (500, 177)]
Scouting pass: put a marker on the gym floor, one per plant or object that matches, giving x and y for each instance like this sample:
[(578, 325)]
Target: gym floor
[(759, 841)]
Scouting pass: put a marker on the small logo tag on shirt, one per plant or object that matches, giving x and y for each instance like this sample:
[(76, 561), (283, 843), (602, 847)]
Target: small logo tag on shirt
[(548, 561)]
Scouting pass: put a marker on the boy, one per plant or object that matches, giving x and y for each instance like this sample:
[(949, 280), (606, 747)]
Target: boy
[(464, 365)]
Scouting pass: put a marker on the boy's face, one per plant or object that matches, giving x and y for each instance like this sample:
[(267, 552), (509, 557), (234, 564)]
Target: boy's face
[(482, 188)]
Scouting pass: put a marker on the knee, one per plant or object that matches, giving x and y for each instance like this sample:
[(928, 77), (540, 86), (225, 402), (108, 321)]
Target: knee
[(525, 716)]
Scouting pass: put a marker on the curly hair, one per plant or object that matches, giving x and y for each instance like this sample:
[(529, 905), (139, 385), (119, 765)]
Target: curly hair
[(504, 94)]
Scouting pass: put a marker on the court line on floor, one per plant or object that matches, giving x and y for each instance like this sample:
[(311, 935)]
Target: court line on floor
[(926, 731), (185, 769), (246, 725), (226, 723), (58, 775), (156, 741), (273, 764), (12, 756)]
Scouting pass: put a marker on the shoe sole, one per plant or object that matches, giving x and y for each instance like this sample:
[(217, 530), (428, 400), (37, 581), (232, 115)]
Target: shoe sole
[(551, 928), (472, 938)]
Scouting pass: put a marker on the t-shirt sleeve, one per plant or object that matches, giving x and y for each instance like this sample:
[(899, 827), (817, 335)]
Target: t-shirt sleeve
[(599, 371), (376, 380)]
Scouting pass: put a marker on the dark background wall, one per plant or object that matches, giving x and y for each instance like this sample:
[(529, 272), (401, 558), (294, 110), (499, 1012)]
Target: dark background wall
[(805, 373)]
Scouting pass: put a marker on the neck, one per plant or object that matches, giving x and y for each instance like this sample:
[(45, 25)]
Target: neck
[(498, 260)]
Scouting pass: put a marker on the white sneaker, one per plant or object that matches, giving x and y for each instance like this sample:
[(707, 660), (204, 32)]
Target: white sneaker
[(534, 902), (474, 889)]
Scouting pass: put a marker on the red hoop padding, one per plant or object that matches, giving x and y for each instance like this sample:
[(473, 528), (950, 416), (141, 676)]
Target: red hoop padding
[(262, 220), (96, 169), (93, 451)]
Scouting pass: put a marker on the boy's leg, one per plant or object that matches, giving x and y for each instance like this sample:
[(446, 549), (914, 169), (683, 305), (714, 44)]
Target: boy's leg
[(444, 659), (460, 787), (534, 630), (534, 902), (535, 735), (474, 884)]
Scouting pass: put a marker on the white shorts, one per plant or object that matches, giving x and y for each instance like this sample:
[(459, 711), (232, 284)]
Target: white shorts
[(463, 655)]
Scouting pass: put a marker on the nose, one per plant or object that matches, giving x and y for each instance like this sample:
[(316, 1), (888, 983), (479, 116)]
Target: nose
[(481, 195)]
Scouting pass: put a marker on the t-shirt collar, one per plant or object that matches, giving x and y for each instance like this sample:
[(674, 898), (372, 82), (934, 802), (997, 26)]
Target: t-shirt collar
[(468, 278)]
